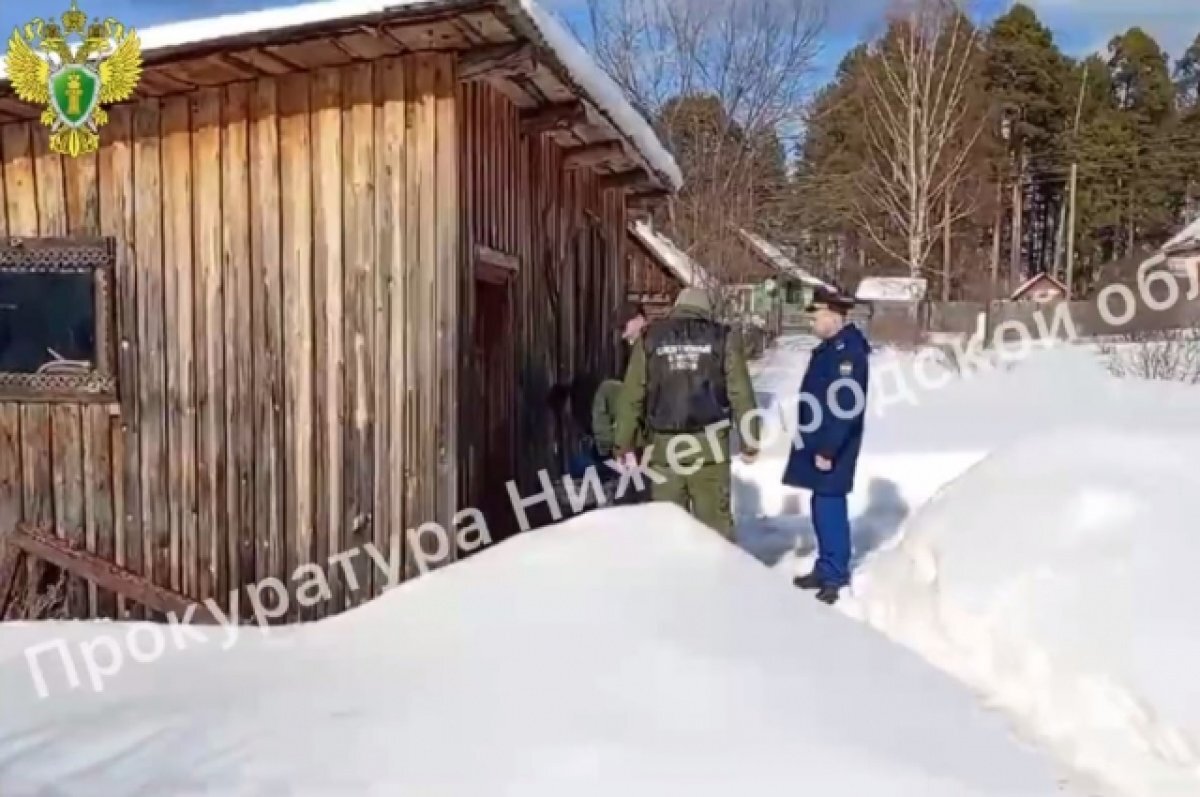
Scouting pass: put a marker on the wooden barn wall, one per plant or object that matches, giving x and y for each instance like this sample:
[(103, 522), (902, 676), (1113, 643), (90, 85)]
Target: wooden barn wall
[(569, 239), (286, 296)]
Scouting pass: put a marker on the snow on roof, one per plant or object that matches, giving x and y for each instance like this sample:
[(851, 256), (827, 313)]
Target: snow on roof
[(534, 21), (678, 262), (1187, 237), (775, 256), (891, 289), (602, 90)]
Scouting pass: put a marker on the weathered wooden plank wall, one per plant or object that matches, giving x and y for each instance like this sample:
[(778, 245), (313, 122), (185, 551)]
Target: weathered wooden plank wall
[(287, 300), (569, 239), (647, 277)]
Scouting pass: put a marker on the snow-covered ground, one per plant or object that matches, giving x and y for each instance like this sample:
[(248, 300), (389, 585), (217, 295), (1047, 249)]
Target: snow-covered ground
[(1031, 530), (628, 652)]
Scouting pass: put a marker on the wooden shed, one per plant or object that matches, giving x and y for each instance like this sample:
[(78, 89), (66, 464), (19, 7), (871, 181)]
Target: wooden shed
[(1040, 288), (312, 289), (657, 270)]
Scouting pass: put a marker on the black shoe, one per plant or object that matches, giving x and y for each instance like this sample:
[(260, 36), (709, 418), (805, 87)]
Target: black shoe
[(811, 582), (828, 594)]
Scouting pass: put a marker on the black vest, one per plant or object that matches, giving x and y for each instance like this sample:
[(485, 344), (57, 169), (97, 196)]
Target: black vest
[(686, 368)]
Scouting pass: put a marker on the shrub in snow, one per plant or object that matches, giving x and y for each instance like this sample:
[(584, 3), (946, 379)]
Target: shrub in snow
[(1171, 355)]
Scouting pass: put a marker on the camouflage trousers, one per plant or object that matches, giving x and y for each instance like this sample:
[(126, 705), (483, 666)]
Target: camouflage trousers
[(700, 484)]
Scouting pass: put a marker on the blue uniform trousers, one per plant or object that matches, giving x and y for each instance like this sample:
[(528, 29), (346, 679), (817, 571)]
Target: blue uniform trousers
[(831, 520)]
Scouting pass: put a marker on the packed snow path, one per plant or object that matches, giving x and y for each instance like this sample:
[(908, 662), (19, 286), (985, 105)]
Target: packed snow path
[(1030, 529)]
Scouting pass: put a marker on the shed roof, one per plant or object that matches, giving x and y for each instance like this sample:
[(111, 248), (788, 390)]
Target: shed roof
[(689, 273), (779, 261), (1030, 283), (557, 48)]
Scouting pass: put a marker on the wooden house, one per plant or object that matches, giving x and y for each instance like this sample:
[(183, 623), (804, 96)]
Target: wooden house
[(312, 289), (788, 292), (657, 270), (1181, 254)]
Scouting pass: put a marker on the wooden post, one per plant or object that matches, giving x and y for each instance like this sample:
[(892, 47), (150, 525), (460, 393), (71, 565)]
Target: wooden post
[(1071, 232), (1074, 185)]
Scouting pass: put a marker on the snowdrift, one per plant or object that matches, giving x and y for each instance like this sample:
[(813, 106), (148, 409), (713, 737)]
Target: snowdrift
[(1058, 578), (627, 652)]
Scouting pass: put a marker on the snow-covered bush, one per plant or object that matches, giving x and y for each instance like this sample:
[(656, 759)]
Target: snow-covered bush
[(1172, 355)]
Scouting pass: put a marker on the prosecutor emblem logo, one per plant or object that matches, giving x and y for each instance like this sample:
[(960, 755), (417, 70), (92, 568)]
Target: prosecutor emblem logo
[(74, 68)]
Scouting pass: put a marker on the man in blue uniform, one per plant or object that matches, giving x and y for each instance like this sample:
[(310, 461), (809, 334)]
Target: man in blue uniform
[(831, 419)]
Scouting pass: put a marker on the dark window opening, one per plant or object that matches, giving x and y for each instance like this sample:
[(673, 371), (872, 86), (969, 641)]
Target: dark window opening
[(55, 320), (47, 322)]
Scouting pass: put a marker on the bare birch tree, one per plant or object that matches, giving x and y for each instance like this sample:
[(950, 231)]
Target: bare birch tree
[(725, 82), (921, 129)]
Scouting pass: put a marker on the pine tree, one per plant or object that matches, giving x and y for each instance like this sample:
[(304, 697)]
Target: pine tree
[(1026, 76)]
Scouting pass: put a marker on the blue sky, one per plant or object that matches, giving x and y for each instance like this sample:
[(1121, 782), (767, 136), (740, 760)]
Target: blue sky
[(1081, 26)]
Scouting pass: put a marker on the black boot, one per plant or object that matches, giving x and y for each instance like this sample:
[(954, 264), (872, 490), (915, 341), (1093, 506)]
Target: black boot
[(810, 582), (828, 594)]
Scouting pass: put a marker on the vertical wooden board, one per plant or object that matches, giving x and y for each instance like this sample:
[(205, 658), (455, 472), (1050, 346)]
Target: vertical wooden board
[(116, 200), (83, 218), (99, 506), (391, 382), (267, 314), (20, 185), (447, 234), (66, 457), (83, 194), (51, 188), (466, 418), (212, 524), (10, 467), (413, 334), (10, 414), (178, 550), (423, 194), (328, 314), (238, 277), (152, 348), (358, 208), (48, 217), (297, 233), (20, 189)]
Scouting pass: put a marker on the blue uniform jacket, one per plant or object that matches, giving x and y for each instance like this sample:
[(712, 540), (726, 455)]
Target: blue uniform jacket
[(835, 435)]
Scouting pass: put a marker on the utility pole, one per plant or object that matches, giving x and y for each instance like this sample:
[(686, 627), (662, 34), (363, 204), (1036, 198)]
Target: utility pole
[(1074, 189)]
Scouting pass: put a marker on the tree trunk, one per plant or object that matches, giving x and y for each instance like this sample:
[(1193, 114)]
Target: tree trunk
[(1018, 231), (996, 230), (947, 248)]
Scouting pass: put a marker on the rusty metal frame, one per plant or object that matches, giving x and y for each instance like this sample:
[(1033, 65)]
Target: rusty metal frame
[(75, 255)]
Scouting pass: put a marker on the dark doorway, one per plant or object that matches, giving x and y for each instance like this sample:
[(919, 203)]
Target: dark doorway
[(488, 406)]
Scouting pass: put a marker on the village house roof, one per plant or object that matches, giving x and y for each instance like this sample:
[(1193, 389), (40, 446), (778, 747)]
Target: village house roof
[(663, 250), (257, 43), (891, 289), (773, 255), (1186, 240)]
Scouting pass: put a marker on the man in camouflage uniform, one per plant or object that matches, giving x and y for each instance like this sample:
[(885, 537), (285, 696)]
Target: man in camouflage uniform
[(687, 374)]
